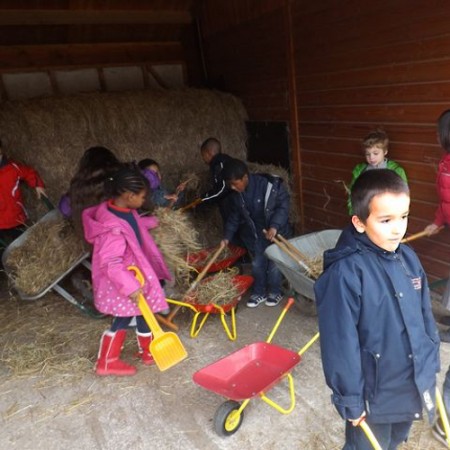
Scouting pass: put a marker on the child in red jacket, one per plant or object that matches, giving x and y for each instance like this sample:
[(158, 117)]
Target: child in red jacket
[(12, 211)]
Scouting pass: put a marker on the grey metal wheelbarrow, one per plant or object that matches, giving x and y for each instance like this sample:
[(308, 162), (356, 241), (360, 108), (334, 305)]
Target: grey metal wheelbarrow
[(311, 245), (56, 283)]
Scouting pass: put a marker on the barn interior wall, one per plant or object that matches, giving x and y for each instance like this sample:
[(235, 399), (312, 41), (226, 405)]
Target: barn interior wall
[(334, 71)]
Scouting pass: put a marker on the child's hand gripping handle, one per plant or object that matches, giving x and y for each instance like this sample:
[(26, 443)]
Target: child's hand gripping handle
[(143, 306)]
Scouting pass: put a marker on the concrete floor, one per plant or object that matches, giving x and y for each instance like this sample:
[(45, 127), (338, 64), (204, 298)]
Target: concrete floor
[(65, 406)]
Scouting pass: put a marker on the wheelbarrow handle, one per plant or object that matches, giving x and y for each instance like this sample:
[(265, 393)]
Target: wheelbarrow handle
[(289, 303), (369, 434), (444, 417)]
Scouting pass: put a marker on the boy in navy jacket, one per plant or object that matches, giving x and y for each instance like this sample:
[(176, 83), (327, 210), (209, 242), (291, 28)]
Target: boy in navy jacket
[(379, 341), (259, 209)]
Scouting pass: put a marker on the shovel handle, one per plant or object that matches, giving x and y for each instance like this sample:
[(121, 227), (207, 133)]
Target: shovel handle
[(143, 305), (415, 236)]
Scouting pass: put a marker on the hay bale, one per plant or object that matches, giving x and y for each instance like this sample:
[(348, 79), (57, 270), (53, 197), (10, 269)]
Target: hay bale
[(169, 126)]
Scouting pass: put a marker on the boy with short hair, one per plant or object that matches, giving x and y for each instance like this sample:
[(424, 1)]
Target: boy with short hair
[(375, 147), (379, 341), (261, 202), (211, 152)]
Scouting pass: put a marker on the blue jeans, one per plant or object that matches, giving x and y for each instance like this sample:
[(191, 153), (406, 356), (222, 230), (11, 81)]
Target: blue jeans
[(266, 274), (121, 323), (389, 435)]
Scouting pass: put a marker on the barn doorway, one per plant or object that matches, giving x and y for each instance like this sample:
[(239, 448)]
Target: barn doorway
[(268, 143)]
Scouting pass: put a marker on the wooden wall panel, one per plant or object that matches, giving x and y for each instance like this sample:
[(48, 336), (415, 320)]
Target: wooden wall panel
[(358, 66), (249, 48), (356, 74)]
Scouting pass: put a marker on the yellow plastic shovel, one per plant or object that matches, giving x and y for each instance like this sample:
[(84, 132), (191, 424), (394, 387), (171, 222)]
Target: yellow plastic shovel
[(166, 347)]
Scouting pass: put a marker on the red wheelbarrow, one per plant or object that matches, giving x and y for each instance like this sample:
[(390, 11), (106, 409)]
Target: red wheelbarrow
[(247, 373), (199, 259), (250, 372)]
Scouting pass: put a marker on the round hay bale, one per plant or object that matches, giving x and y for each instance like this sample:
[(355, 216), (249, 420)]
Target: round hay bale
[(51, 134)]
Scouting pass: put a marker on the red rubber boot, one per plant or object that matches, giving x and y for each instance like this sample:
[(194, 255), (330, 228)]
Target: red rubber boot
[(144, 341), (108, 362)]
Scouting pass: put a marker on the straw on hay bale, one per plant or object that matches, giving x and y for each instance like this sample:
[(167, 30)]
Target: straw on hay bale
[(50, 247), (169, 126)]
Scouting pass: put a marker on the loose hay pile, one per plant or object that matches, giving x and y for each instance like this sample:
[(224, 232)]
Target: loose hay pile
[(49, 249), (175, 237), (37, 342), (218, 289), (315, 266)]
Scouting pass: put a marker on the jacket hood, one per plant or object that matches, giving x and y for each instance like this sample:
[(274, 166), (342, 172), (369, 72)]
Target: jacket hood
[(98, 220), (349, 242)]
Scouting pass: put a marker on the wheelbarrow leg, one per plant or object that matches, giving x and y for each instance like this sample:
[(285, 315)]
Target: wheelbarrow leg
[(71, 299)]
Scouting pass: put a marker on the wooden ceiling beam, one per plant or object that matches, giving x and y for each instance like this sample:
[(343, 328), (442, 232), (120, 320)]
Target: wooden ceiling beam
[(91, 17), (39, 57)]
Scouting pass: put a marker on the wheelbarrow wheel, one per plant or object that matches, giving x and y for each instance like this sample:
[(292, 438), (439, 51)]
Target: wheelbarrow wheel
[(227, 420)]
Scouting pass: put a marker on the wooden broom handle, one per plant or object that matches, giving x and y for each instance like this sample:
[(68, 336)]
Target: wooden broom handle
[(191, 205), (200, 276), (413, 237)]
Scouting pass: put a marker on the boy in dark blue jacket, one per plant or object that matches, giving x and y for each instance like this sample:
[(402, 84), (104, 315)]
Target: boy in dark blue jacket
[(379, 341), (261, 202)]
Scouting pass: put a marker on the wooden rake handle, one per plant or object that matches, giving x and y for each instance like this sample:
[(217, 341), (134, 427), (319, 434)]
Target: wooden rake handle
[(191, 205), (200, 277), (413, 237), (290, 252), (292, 248)]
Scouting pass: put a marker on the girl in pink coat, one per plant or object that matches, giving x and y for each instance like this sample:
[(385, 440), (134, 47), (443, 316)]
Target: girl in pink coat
[(120, 239)]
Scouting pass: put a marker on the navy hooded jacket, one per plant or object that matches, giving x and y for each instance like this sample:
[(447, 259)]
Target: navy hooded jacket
[(264, 204), (379, 341)]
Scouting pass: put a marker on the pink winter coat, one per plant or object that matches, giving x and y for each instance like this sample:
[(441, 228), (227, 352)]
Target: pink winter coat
[(115, 248), (442, 216)]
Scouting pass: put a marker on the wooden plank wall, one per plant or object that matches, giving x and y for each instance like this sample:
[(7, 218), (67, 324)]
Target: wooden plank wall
[(357, 66)]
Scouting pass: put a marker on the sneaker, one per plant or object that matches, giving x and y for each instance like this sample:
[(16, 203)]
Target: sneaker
[(438, 432), (274, 299), (255, 300)]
